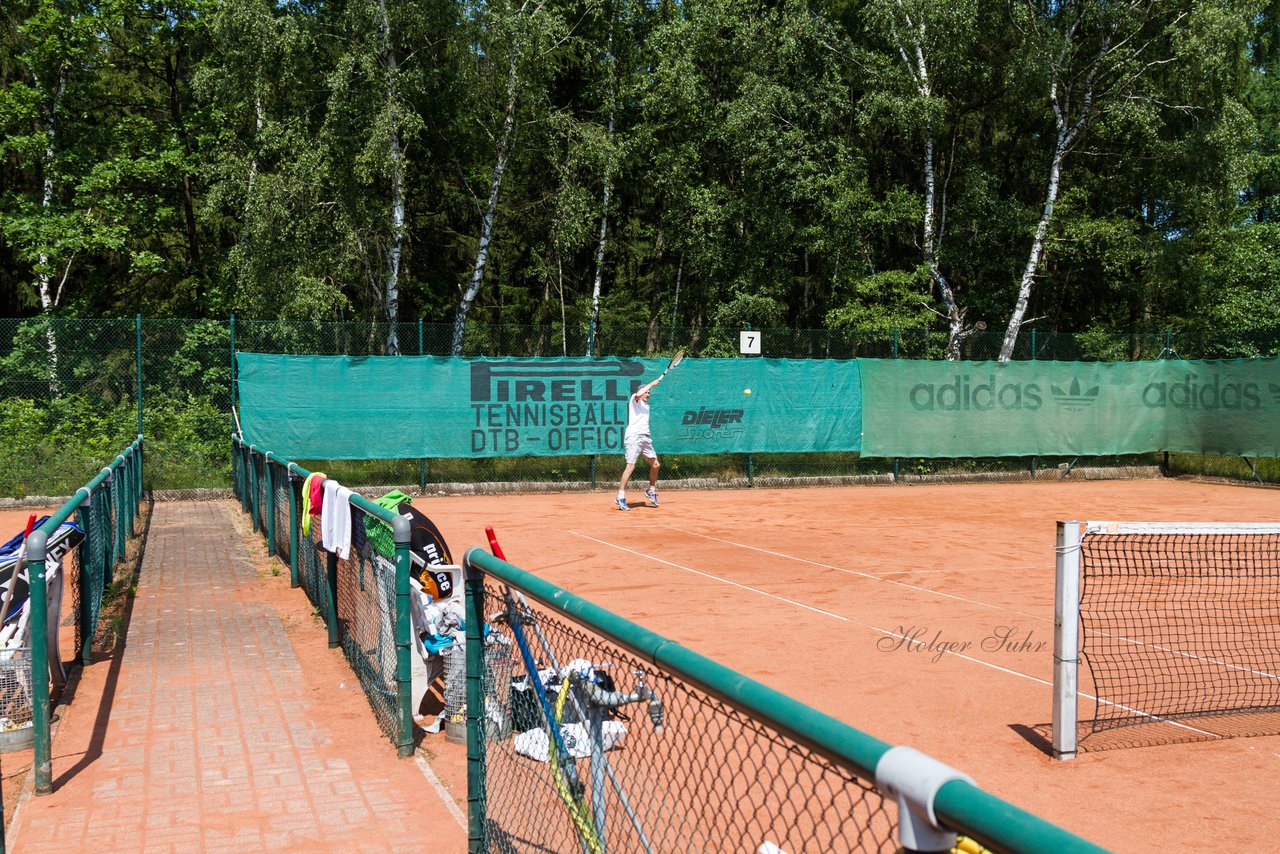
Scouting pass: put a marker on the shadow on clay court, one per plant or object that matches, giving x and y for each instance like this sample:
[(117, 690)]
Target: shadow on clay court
[(116, 657), (1036, 736)]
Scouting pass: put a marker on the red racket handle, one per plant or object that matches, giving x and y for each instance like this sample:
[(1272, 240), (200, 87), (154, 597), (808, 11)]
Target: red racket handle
[(31, 526), (493, 543)]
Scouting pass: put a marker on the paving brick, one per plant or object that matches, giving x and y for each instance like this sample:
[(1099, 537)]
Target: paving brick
[(211, 743)]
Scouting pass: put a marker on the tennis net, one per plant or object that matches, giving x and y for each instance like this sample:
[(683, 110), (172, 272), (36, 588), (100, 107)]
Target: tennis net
[(1172, 622)]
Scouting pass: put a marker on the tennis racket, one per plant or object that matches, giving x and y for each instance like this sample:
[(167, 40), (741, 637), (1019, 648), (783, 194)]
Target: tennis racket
[(675, 360)]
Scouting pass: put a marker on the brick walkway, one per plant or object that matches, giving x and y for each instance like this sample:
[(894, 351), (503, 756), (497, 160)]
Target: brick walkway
[(200, 736)]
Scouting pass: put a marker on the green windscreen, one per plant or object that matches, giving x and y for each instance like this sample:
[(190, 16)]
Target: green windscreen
[(396, 407), (976, 409)]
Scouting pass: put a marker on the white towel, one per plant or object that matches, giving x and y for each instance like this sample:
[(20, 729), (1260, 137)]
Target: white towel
[(335, 519)]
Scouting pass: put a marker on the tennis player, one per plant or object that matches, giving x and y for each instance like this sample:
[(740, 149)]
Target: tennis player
[(636, 444)]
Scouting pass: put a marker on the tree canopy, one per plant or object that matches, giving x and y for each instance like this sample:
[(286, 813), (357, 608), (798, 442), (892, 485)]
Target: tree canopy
[(861, 165)]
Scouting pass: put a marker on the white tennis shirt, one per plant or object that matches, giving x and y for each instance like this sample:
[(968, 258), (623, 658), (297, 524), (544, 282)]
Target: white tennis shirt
[(637, 419)]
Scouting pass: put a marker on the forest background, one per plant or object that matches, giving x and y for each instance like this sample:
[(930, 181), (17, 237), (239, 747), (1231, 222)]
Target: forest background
[(946, 166)]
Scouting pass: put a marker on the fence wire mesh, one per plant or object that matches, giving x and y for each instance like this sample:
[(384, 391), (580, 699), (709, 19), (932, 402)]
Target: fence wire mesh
[(366, 610), (90, 570), (355, 595), (588, 748), (69, 390)]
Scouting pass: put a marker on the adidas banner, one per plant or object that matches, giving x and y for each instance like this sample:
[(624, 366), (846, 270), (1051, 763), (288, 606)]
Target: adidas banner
[(1001, 409)]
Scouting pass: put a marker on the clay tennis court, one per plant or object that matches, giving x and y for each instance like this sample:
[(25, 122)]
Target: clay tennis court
[(812, 591)]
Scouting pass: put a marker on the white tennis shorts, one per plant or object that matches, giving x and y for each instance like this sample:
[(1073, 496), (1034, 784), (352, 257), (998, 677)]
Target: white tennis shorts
[(639, 446)]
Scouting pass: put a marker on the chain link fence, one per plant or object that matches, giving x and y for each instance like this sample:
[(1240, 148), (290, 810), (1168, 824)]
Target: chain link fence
[(587, 732), (355, 595), (72, 390), (588, 746)]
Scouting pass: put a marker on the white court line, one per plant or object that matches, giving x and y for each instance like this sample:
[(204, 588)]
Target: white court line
[(1181, 653), (860, 574), (842, 618)]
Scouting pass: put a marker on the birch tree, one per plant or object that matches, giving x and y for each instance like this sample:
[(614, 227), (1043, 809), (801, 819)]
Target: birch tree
[(526, 32), (1092, 56), (925, 34)]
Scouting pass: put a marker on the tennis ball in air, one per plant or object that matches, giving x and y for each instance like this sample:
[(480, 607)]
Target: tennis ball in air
[(746, 391)]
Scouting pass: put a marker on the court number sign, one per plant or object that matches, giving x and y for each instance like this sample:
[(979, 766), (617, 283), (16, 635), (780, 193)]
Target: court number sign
[(749, 343)]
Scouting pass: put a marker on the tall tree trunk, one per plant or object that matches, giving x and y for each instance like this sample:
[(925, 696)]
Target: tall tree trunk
[(911, 51), (491, 210), (188, 194), (391, 293), (1068, 133), (600, 246), (49, 293), (1036, 254)]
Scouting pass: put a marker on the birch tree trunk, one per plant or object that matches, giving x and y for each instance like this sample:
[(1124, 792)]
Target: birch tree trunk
[(495, 190), (600, 247), (391, 293), (1068, 133), (911, 51), (49, 293)]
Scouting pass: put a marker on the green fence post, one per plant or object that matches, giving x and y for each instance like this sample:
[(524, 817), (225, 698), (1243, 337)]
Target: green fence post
[(292, 477), (422, 462), (83, 514), (331, 598), (404, 677), (1033, 343), (474, 584), (751, 474), (243, 451), (271, 507), (38, 605), (897, 474), (139, 345), (118, 484), (253, 489), (141, 454)]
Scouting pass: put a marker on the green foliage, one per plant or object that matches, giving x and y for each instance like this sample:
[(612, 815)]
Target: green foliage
[(219, 156)]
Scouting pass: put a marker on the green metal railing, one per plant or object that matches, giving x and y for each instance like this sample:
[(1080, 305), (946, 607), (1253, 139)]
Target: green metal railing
[(363, 614), (122, 482), (722, 763)]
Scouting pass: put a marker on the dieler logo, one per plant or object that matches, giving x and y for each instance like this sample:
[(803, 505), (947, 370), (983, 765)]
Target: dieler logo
[(707, 423), (713, 418), (1073, 397)]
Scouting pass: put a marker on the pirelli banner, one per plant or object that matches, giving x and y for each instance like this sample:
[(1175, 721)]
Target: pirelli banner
[(980, 409), (395, 407)]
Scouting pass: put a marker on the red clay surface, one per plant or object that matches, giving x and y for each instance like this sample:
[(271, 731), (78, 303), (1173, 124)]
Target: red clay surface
[(798, 589)]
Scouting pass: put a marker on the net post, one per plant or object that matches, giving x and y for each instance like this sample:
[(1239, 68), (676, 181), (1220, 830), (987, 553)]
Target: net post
[(1066, 641), (474, 609)]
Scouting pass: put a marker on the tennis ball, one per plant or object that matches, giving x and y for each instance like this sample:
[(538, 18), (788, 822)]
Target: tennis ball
[(746, 391)]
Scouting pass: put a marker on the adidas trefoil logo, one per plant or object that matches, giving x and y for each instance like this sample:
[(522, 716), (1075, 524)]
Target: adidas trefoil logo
[(1073, 397)]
